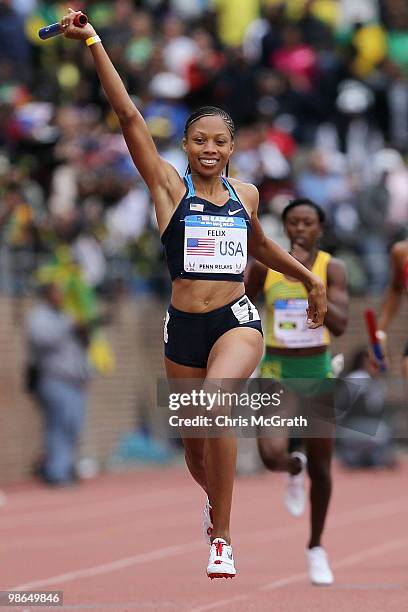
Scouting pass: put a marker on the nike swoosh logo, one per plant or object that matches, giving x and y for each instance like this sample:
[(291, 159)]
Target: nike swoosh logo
[(234, 212)]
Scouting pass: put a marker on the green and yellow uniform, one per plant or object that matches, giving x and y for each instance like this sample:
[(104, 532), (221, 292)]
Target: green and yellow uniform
[(286, 327)]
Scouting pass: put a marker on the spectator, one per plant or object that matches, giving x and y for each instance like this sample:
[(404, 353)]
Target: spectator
[(167, 91), (233, 88), (141, 45), (57, 352), (162, 131), (178, 49), (315, 31), (296, 59), (24, 7), (397, 39), (204, 68), (315, 74), (13, 43), (271, 40), (372, 204), (189, 9), (118, 33), (321, 183), (127, 218), (233, 19)]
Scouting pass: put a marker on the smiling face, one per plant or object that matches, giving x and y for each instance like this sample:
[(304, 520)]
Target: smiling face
[(208, 145), (303, 227)]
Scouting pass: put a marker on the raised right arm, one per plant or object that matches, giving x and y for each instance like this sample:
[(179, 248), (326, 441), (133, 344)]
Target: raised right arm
[(163, 181)]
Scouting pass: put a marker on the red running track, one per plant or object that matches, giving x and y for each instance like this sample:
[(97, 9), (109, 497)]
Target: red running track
[(133, 542)]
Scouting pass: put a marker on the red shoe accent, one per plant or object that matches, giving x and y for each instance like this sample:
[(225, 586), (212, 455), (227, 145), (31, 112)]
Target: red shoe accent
[(217, 562), (209, 531), (212, 576), (218, 547)]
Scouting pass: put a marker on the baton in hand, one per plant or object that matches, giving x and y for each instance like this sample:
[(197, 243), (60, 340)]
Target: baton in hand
[(55, 29), (371, 324)]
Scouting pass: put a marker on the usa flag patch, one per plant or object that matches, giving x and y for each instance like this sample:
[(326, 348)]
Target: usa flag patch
[(197, 207), (201, 246)]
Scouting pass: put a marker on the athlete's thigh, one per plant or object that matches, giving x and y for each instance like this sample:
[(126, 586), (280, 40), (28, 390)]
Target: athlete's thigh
[(235, 354), (183, 379), (175, 370)]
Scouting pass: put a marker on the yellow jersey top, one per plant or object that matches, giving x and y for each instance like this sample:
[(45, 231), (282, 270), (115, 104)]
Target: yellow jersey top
[(286, 304)]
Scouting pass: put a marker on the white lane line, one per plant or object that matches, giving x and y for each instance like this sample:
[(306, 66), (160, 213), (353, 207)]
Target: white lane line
[(98, 509), (348, 561), (41, 497), (154, 555), (78, 508), (221, 603), (390, 546), (380, 510), (349, 517)]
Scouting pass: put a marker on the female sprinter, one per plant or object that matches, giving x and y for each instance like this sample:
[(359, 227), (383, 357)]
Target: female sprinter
[(208, 224), (295, 352)]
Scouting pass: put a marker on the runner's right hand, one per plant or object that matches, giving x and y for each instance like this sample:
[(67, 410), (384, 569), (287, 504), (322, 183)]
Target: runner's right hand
[(317, 299), (72, 31)]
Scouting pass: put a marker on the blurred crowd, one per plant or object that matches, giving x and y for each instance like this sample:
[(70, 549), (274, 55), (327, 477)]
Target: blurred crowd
[(318, 90)]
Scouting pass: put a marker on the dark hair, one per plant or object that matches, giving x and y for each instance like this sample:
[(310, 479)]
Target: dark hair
[(304, 202), (210, 111)]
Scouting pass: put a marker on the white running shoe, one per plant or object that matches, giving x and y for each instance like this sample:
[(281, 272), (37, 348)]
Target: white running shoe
[(221, 561), (319, 568), (207, 522), (295, 498)]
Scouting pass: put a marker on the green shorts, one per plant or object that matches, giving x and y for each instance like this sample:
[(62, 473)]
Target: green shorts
[(305, 376)]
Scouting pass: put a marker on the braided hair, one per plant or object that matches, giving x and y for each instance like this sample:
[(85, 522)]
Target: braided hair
[(210, 111)]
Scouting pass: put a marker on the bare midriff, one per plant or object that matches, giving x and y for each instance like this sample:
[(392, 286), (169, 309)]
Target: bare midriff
[(203, 296)]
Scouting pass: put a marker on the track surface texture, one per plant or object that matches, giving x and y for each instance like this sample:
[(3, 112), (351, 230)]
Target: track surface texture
[(132, 541)]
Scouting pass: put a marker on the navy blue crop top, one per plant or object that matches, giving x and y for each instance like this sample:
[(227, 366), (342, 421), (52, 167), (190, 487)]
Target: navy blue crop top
[(205, 241)]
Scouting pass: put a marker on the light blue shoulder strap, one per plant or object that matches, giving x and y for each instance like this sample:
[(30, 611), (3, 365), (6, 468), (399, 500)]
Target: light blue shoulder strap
[(230, 189), (191, 190)]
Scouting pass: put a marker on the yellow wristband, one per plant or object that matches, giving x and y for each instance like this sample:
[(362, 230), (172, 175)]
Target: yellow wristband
[(92, 40)]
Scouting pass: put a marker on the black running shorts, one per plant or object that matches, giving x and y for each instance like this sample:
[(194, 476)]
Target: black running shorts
[(189, 337)]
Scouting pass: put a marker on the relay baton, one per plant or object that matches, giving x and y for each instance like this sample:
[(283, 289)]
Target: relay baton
[(372, 334), (55, 28)]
